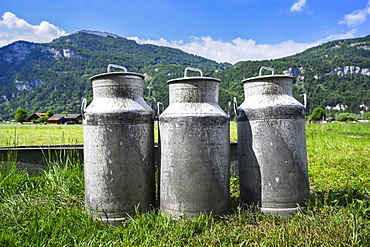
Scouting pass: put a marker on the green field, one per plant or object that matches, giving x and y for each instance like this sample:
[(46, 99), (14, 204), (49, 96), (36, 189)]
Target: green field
[(39, 134), (48, 209)]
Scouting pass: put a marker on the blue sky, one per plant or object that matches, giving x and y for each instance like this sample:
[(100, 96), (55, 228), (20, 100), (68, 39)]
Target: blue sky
[(222, 30)]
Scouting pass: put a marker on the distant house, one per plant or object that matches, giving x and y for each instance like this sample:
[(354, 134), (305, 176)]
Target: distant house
[(65, 119), (35, 116)]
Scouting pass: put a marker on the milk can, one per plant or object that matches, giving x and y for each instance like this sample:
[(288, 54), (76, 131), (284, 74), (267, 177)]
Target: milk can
[(118, 147), (272, 146), (195, 145)]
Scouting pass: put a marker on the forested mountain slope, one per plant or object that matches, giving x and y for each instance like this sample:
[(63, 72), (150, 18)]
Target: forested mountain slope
[(335, 75)]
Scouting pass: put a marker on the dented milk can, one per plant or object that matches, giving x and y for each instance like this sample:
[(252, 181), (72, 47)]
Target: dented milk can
[(118, 147), (194, 175), (272, 146)]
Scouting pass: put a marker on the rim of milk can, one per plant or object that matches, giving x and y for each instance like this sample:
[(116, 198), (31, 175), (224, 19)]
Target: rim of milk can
[(186, 77), (125, 73), (272, 76)]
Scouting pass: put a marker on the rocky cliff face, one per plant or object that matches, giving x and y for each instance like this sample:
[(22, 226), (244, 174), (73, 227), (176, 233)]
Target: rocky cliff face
[(99, 33), (296, 73), (17, 52), (348, 70), (27, 85), (20, 51)]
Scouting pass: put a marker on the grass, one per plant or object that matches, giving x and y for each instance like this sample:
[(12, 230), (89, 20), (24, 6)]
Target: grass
[(48, 209), (338, 158), (43, 135), (39, 134)]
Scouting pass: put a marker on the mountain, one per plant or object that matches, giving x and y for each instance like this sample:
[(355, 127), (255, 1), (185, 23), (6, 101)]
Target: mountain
[(335, 75), (55, 76)]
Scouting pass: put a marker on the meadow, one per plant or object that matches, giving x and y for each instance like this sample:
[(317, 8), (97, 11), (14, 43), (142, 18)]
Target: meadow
[(27, 134), (48, 209)]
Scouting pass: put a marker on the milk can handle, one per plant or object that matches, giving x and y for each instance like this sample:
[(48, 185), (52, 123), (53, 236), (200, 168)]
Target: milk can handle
[(83, 107), (235, 104), (116, 66), (266, 68), (160, 108), (228, 109), (193, 69), (156, 107)]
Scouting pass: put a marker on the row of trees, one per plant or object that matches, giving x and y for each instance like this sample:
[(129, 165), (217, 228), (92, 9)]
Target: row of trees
[(21, 116), (319, 114)]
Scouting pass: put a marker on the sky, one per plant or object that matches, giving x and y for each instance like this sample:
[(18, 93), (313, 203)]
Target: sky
[(221, 30)]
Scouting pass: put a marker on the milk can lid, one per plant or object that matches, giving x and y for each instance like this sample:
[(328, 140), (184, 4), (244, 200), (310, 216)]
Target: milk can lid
[(117, 74), (261, 77), (186, 77)]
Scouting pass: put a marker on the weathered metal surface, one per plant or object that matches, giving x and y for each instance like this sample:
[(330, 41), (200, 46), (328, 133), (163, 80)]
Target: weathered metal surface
[(195, 150), (118, 148), (272, 146)]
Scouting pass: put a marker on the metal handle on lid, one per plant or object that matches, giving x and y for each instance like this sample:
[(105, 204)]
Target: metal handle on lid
[(116, 66), (83, 107), (193, 69), (157, 107), (153, 100), (160, 108), (266, 68), (229, 109), (235, 104)]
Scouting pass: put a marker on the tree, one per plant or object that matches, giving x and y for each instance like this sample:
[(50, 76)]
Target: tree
[(20, 115), (49, 114), (42, 119), (318, 113)]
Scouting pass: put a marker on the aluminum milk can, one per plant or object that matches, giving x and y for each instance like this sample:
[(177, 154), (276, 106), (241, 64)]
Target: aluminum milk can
[(195, 174), (272, 146), (118, 147)]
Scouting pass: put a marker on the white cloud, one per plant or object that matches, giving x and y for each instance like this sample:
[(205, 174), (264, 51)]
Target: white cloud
[(357, 17), (240, 49), (349, 35), (298, 6), (12, 29)]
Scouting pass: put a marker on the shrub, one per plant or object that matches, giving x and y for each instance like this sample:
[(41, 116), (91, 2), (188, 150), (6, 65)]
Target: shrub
[(318, 113), (347, 117)]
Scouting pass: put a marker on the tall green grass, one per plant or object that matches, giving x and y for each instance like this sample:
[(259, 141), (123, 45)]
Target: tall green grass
[(48, 209)]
